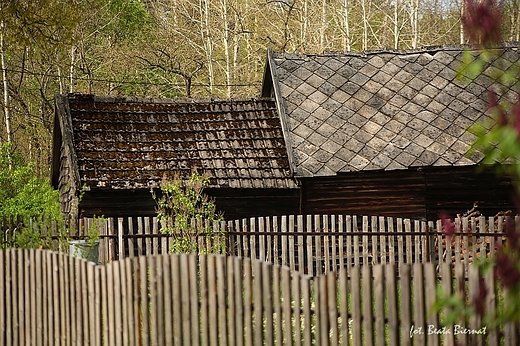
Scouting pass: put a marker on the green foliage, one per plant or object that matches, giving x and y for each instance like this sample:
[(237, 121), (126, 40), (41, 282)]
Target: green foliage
[(26, 198), (124, 19), (93, 233), (22, 193), (186, 213), (499, 141), (29, 22)]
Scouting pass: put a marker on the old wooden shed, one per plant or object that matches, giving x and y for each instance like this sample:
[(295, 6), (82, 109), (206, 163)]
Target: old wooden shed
[(109, 152), (385, 133)]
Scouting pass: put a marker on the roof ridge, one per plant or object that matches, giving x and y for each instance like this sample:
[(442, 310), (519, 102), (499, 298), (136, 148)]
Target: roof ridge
[(423, 49), (135, 99)]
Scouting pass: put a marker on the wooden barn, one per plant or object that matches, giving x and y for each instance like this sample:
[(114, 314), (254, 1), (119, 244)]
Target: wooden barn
[(385, 133), (110, 152)]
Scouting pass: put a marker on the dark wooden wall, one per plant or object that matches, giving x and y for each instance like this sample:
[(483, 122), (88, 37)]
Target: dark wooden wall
[(244, 203), (453, 191), (234, 203), (413, 193), (393, 193)]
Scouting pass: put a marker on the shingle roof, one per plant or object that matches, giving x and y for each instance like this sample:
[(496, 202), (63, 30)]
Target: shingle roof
[(133, 143), (378, 110)]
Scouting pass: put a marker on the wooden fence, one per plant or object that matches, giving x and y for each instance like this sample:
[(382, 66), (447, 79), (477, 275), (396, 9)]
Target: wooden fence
[(317, 244), (54, 299), (314, 244)]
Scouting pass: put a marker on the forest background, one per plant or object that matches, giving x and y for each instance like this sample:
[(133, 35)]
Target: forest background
[(187, 48)]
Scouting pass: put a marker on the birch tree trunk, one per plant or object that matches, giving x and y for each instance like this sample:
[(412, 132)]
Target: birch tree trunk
[(72, 64), (227, 42), (346, 27), (365, 25), (304, 26), (207, 41), (461, 27), (396, 24), (323, 26), (7, 108), (414, 22)]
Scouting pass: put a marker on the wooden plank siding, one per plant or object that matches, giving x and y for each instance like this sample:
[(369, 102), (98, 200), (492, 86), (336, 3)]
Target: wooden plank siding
[(230, 301), (454, 190), (419, 193), (232, 203), (366, 193)]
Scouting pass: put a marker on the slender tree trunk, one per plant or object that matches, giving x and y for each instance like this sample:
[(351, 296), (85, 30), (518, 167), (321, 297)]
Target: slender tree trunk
[(396, 24), (71, 72), (7, 108), (207, 41), (365, 25), (517, 26), (461, 30), (236, 48), (323, 27), (346, 23), (414, 22), (304, 25), (226, 41)]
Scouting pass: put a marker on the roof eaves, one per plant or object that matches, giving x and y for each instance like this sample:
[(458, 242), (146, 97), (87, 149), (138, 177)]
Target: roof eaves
[(65, 123), (280, 106)]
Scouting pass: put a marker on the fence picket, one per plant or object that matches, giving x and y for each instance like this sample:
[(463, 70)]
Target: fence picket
[(383, 255), (379, 299), (343, 295), (417, 248), (366, 244), (300, 241), (238, 307), (376, 252), (367, 297), (341, 242), (430, 282), (349, 240), (310, 248), (248, 296), (286, 305), (277, 306), (408, 245), (393, 304), (185, 292), (355, 289), (461, 291), (261, 242), (143, 299), (447, 290), (325, 228), (473, 292), (317, 246), (276, 241), (284, 242), (400, 245), (204, 300), (291, 228), (406, 305), (120, 245), (491, 304), (258, 302), (419, 306), (322, 316)]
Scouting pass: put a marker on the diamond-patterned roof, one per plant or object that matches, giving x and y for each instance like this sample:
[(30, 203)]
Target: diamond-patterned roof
[(379, 110)]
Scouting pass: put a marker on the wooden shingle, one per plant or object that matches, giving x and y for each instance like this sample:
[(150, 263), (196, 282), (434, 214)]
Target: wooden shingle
[(125, 143)]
